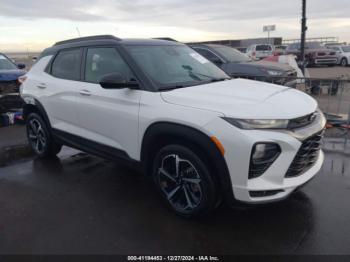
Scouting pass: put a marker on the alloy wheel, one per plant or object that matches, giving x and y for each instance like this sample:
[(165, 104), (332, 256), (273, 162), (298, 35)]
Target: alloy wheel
[(37, 136), (344, 62), (180, 182)]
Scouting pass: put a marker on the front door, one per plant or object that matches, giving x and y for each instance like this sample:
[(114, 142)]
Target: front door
[(108, 116)]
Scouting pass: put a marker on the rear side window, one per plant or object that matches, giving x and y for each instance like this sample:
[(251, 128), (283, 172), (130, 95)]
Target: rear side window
[(67, 64), (104, 61)]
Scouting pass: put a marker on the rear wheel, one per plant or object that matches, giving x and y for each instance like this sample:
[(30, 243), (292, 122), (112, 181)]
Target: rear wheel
[(40, 138), (184, 181)]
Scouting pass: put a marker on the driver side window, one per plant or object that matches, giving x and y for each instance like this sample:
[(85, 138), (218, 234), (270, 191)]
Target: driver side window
[(103, 61)]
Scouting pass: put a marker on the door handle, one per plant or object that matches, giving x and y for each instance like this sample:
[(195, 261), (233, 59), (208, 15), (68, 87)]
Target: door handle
[(85, 92), (41, 86)]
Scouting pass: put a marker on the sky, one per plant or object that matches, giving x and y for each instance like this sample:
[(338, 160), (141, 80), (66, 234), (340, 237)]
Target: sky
[(36, 24)]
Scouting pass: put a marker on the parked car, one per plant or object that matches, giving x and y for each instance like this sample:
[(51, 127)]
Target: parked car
[(260, 51), (242, 49), (315, 54), (280, 49), (236, 64), (9, 84), (200, 135), (343, 53)]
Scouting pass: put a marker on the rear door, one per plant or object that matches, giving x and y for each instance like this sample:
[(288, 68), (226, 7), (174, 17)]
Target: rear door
[(59, 91), (108, 116)]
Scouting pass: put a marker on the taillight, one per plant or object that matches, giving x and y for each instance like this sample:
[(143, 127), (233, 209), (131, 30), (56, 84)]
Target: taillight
[(21, 79)]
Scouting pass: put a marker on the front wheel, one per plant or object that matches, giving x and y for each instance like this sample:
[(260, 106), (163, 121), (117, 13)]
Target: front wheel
[(40, 138), (344, 62), (184, 181)]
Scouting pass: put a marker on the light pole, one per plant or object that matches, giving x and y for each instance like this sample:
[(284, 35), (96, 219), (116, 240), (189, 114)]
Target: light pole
[(303, 33)]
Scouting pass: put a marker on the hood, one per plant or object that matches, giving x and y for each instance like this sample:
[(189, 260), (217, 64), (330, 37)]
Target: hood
[(10, 75), (255, 68), (273, 65), (241, 98)]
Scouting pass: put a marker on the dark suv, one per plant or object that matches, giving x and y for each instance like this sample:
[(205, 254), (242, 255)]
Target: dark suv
[(237, 64), (315, 54), (9, 84)]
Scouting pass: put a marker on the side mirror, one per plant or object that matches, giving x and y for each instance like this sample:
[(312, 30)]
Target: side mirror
[(117, 81), (21, 66)]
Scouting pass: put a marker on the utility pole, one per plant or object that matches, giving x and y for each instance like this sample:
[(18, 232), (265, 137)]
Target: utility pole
[(303, 33)]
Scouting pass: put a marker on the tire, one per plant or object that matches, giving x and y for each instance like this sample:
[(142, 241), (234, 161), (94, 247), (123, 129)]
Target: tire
[(40, 138), (344, 62), (189, 192)]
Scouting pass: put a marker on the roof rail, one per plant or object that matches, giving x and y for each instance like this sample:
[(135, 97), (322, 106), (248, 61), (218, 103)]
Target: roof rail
[(88, 38), (166, 38)]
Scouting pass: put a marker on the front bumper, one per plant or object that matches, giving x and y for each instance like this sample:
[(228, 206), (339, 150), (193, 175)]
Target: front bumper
[(238, 145), (326, 60), (284, 186), (10, 102)]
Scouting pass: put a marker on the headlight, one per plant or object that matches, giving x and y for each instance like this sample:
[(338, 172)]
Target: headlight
[(257, 123), (274, 73)]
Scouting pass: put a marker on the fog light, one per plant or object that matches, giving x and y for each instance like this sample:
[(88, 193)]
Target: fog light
[(262, 157)]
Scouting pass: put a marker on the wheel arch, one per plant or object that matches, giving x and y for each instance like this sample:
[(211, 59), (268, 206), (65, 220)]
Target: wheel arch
[(161, 133), (35, 107)]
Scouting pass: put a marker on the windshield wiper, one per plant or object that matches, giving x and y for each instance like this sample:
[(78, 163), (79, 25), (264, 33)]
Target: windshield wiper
[(171, 87), (196, 74), (219, 79)]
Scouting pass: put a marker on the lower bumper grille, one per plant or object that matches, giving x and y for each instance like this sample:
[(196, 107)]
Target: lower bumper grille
[(306, 156)]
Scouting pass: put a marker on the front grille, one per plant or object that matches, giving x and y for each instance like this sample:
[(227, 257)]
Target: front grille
[(306, 156), (9, 87)]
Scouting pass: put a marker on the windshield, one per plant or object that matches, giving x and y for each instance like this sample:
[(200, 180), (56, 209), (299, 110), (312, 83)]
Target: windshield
[(5, 64), (231, 54), (175, 66), (346, 48)]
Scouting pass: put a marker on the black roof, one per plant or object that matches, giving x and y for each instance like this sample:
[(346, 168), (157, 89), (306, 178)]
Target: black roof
[(88, 38), (103, 40)]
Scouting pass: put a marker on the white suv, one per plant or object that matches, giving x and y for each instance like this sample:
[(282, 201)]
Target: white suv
[(202, 136), (261, 51)]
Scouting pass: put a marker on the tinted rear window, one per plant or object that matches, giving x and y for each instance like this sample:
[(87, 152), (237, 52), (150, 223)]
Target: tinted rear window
[(263, 48), (67, 64)]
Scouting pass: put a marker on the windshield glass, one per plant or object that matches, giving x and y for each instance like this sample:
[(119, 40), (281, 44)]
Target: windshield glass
[(231, 54), (5, 64), (175, 65), (346, 48)]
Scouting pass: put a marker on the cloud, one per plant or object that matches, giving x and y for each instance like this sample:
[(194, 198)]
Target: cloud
[(185, 20), (168, 11), (75, 10)]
